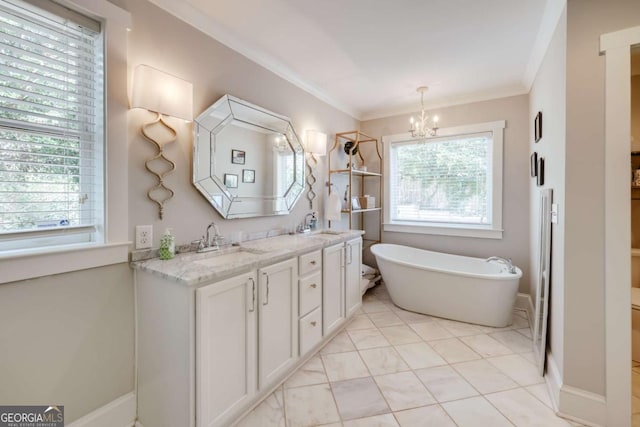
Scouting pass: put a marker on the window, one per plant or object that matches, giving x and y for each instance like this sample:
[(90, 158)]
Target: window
[(449, 185), (51, 127)]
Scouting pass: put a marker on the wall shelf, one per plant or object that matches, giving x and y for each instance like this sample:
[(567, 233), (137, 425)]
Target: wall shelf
[(356, 178)]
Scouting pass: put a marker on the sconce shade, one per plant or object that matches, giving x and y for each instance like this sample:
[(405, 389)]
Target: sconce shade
[(316, 143), (163, 93)]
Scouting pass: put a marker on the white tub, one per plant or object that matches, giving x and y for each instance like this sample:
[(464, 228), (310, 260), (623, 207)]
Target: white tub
[(450, 286)]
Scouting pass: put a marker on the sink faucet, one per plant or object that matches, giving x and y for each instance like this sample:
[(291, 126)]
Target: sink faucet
[(506, 261), (208, 242), (306, 225)]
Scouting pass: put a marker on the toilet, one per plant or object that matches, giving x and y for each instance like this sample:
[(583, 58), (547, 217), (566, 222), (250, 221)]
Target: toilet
[(635, 304)]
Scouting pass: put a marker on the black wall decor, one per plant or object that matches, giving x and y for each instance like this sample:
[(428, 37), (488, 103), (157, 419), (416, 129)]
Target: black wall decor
[(537, 126), (540, 181), (534, 165)]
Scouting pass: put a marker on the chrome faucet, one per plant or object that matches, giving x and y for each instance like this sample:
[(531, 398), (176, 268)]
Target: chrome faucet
[(208, 242), (506, 261)]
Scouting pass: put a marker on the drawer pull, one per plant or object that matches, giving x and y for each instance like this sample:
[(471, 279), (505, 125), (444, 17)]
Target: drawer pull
[(313, 285), (314, 323), (313, 262)]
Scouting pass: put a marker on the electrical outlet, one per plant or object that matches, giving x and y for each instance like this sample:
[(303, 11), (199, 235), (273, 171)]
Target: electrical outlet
[(144, 236)]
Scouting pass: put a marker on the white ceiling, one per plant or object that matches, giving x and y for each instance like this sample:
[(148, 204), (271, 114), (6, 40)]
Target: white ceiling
[(367, 57)]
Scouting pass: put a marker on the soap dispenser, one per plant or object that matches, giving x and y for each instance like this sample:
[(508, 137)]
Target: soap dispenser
[(313, 222), (167, 245)]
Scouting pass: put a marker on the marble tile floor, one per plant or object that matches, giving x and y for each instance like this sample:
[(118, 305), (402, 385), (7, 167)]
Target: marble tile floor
[(391, 367)]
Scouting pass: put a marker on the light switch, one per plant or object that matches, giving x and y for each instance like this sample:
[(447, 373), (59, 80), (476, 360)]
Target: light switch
[(554, 213)]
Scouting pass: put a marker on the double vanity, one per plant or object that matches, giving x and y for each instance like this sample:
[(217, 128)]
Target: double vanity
[(218, 331)]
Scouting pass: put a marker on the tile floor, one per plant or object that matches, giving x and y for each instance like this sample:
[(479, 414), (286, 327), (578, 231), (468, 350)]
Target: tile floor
[(391, 367)]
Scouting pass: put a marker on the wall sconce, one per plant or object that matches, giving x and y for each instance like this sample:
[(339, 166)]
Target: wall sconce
[(163, 94), (316, 146)]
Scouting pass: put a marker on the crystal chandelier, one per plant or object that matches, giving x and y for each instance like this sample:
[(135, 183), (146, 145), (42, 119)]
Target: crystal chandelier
[(420, 128)]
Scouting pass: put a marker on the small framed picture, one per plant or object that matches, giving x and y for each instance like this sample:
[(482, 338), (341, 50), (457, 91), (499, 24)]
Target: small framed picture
[(248, 175), (540, 180), (537, 126), (534, 165), (355, 203), (230, 180), (237, 157)]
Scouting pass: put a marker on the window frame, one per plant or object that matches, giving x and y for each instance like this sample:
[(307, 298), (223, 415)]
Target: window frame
[(24, 264), (488, 231)]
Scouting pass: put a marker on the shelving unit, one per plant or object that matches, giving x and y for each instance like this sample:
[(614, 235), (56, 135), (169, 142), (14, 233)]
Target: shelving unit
[(635, 164), (357, 177)]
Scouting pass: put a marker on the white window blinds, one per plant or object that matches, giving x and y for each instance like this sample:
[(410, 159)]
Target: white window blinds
[(51, 125), (442, 180)]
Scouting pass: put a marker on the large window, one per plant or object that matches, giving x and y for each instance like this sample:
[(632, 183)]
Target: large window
[(450, 184), (51, 126)]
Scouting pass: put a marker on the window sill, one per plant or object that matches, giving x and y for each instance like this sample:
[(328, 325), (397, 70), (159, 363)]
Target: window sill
[(445, 230), (28, 264)]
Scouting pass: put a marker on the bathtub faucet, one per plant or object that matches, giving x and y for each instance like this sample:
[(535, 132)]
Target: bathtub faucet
[(506, 261)]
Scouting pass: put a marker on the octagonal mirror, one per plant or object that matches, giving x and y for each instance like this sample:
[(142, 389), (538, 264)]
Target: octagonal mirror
[(247, 161)]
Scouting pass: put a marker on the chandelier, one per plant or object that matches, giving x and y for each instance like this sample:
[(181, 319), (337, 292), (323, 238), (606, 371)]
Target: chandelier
[(420, 128)]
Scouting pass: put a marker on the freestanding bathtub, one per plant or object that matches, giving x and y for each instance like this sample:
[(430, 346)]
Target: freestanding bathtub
[(450, 286)]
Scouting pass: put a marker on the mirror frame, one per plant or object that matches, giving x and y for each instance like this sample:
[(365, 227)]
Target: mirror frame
[(544, 277), (224, 201)]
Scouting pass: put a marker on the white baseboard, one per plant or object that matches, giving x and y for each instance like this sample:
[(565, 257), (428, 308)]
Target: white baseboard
[(584, 407), (524, 302), (591, 407), (118, 413), (553, 380)]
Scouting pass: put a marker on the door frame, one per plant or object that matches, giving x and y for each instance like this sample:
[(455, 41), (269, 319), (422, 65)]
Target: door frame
[(616, 47)]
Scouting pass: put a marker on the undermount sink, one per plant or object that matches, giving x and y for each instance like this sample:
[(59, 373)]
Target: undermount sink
[(331, 232), (227, 256)]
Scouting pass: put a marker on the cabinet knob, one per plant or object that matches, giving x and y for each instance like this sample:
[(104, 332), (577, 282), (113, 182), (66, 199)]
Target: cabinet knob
[(314, 323), (313, 285), (313, 262)]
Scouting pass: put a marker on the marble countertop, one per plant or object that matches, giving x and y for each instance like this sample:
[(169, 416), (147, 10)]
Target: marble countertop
[(193, 269)]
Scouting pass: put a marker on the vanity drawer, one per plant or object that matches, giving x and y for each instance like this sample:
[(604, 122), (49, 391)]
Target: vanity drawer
[(310, 328), (310, 262), (309, 293)]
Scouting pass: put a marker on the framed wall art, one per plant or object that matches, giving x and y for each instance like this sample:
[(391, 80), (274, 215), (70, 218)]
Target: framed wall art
[(237, 157), (248, 175), (537, 127), (231, 180), (534, 165), (540, 177)]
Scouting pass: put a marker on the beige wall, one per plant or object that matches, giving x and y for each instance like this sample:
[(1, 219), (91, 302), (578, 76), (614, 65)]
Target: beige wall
[(68, 339), (515, 200), (584, 229), (548, 96), (162, 41)]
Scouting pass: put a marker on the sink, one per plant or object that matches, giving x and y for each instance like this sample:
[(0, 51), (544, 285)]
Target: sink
[(330, 232), (234, 255)]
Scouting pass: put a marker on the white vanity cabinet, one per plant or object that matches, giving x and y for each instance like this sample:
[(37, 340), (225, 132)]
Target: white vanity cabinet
[(226, 348), (209, 346), (353, 266), (310, 287), (247, 339), (277, 320), (333, 313), (341, 283)]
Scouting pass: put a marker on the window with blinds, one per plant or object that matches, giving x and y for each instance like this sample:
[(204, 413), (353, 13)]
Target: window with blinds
[(444, 180), (51, 126)]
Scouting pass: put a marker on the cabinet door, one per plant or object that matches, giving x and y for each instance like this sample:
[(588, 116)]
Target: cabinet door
[(332, 288), (353, 264), (225, 348), (278, 320)]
